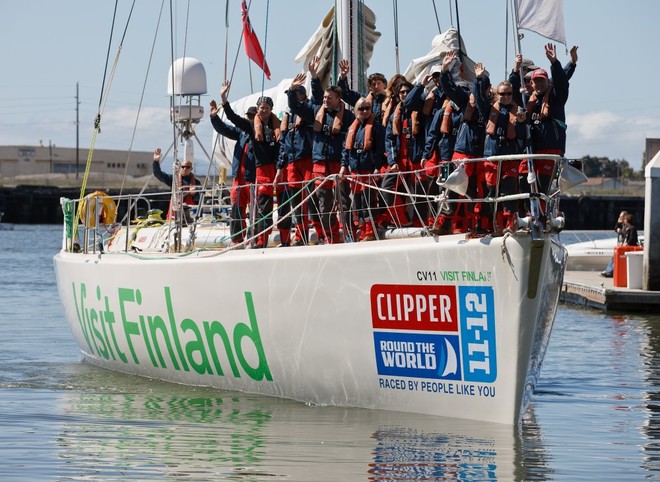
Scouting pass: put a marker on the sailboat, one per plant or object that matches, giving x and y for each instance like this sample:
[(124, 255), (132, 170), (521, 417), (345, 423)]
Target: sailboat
[(454, 326)]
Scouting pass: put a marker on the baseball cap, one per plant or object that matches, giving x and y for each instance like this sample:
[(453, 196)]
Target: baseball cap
[(436, 69), (539, 73), (251, 111), (528, 64)]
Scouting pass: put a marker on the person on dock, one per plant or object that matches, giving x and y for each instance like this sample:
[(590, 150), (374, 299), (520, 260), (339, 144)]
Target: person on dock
[(626, 236)]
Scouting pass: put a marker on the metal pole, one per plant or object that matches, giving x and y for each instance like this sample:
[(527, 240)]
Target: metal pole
[(77, 131)]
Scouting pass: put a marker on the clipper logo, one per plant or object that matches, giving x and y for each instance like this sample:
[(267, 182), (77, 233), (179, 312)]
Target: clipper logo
[(434, 332)]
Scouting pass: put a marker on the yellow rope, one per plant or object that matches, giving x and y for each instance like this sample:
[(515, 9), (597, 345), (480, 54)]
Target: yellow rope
[(83, 186)]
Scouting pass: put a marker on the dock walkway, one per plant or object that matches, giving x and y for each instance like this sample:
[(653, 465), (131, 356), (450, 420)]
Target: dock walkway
[(588, 288)]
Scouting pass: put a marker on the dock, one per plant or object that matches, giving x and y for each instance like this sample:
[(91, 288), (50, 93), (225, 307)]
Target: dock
[(589, 289)]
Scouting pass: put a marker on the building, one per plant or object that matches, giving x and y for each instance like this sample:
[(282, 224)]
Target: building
[(652, 148), (30, 160)]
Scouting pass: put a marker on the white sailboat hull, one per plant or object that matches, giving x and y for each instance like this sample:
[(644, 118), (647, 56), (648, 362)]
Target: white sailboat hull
[(443, 326)]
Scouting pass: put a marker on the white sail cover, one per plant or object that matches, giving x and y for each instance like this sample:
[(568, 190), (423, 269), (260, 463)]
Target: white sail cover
[(440, 45), (321, 43), (546, 18)]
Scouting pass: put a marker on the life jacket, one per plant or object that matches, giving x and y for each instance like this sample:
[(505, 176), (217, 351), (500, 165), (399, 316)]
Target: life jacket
[(545, 106), (388, 107), (188, 198), (396, 121), (493, 116), (368, 134), (377, 99), (286, 118), (259, 130), (336, 123)]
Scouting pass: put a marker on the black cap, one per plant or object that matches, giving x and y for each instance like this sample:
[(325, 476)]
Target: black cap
[(251, 111)]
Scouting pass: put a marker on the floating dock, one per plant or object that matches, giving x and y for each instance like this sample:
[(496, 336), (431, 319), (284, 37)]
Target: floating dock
[(588, 288)]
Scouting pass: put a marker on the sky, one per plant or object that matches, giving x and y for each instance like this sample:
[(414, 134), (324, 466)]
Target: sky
[(50, 46)]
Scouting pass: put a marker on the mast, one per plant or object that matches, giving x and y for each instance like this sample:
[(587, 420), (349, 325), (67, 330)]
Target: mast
[(349, 29)]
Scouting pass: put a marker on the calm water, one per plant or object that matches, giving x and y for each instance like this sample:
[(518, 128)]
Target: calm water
[(595, 415)]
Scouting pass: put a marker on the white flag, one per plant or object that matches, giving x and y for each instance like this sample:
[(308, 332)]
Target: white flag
[(545, 17)]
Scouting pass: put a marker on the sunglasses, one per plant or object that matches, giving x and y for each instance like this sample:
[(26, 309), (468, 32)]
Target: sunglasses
[(504, 93), (186, 167), (403, 91), (364, 109)]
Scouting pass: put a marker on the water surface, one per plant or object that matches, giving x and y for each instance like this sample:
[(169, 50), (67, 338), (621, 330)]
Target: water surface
[(594, 415)]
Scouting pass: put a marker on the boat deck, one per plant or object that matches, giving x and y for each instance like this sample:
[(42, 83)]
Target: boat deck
[(588, 288)]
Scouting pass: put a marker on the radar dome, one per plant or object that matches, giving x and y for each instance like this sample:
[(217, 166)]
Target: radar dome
[(189, 77)]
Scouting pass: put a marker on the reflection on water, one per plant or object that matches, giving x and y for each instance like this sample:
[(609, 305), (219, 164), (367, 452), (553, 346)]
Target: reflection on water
[(150, 429), (651, 428)]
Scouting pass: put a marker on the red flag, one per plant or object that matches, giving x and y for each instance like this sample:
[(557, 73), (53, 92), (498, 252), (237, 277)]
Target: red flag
[(251, 42)]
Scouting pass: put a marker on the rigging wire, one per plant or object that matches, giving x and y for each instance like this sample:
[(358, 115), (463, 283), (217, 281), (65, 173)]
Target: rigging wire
[(460, 39), (105, 89), (226, 36), (395, 8), (263, 70), (506, 40), (142, 95), (437, 19), (451, 14)]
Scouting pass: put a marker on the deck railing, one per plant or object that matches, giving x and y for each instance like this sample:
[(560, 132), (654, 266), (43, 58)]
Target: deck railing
[(331, 209)]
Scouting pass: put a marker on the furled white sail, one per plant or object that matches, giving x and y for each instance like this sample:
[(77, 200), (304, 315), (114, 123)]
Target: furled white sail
[(440, 45), (357, 52)]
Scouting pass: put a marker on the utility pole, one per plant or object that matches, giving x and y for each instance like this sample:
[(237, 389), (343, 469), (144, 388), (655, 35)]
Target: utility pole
[(77, 131), (50, 156)]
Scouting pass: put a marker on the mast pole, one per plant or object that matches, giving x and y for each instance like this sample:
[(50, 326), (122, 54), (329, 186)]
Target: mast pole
[(395, 7), (348, 25)]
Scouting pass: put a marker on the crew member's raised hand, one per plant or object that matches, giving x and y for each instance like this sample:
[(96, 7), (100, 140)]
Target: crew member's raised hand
[(224, 90), (214, 108), (551, 52), (314, 66), (344, 68)]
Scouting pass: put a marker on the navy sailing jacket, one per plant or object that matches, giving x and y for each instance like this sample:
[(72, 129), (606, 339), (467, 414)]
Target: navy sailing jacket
[(242, 138), (415, 142), (471, 132), (326, 146), (297, 142), (265, 152), (360, 160), (550, 132)]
